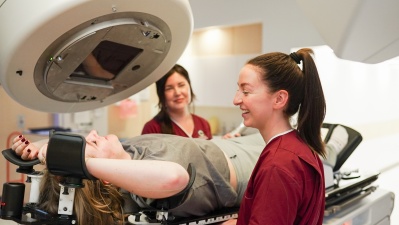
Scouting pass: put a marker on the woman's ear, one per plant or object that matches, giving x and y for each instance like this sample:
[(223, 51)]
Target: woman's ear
[(281, 99)]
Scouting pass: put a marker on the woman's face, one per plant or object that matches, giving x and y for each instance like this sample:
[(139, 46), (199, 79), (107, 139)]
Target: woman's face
[(253, 98), (177, 92), (103, 146)]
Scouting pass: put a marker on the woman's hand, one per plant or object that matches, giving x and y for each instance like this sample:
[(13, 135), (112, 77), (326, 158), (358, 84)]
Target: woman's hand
[(24, 148)]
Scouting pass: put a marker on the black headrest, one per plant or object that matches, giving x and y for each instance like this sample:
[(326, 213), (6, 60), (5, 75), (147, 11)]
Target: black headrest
[(66, 157)]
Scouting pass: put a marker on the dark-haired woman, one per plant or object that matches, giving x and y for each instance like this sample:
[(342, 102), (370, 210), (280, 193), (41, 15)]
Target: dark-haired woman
[(175, 97)]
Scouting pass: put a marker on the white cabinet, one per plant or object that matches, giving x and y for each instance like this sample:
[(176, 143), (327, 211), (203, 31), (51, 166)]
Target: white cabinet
[(214, 78)]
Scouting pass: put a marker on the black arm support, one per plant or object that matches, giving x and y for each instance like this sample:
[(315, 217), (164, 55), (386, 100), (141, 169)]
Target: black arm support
[(25, 167)]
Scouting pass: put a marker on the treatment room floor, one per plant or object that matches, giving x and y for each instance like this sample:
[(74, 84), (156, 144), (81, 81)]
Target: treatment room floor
[(371, 155)]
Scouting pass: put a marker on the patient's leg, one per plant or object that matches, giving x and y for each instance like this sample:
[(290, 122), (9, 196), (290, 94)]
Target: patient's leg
[(337, 141)]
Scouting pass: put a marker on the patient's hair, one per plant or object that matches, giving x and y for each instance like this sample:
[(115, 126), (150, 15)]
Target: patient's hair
[(95, 203)]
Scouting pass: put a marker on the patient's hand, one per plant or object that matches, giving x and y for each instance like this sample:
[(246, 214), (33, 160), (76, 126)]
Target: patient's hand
[(229, 135), (229, 222), (108, 146), (24, 148)]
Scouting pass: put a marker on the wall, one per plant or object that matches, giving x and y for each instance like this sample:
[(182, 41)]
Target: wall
[(213, 59), (363, 96), (126, 125), (284, 25)]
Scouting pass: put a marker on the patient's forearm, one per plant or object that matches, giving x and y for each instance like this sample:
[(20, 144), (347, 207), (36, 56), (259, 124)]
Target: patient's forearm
[(40, 143), (146, 178)]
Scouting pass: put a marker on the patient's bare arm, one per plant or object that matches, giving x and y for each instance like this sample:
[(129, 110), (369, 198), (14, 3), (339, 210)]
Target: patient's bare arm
[(146, 178), (93, 68), (229, 222), (107, 160)]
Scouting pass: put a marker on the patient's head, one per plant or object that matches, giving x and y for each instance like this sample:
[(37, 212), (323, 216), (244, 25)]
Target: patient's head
[(107, 146), (97, 146), (95, 203)]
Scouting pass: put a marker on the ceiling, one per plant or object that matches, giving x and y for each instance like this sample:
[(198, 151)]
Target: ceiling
[(358, 30)]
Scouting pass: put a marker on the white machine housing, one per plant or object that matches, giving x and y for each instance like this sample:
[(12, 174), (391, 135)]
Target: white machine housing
[(44, 43)]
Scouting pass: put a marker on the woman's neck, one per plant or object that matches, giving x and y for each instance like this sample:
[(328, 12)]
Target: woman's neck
[(271, 130), (180, 115), (184, 120)]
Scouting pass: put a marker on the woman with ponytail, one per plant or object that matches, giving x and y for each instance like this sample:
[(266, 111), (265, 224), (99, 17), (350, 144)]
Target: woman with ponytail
[(287, 183)]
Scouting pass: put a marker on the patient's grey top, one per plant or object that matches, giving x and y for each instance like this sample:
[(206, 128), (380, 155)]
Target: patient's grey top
[(243, 153), (211, 189)]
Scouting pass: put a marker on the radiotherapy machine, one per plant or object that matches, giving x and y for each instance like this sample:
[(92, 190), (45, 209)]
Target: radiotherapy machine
[(70, 56), (53, 53)]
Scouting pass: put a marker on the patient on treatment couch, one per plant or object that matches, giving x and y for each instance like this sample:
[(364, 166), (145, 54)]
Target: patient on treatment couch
[(154, 166)]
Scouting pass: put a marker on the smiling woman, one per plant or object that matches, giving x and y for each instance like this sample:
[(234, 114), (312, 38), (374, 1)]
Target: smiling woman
[(175, 96), (272, 88)]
